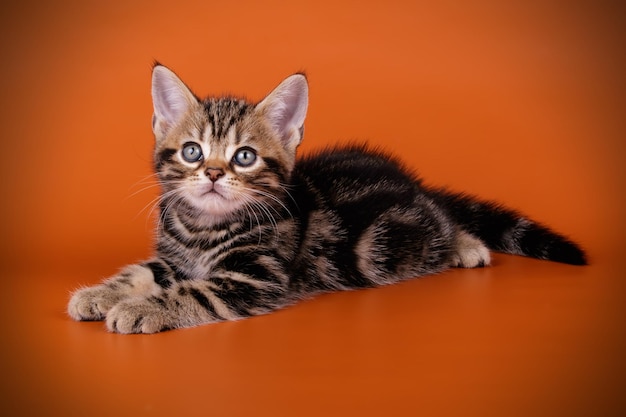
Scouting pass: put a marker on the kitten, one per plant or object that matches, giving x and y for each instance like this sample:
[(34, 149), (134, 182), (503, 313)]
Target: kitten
[(246, 229)]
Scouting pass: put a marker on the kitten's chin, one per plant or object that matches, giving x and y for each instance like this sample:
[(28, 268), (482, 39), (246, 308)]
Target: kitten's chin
[(215, 208)]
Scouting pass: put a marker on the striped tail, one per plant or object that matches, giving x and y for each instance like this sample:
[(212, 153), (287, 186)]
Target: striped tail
[(505, 230)]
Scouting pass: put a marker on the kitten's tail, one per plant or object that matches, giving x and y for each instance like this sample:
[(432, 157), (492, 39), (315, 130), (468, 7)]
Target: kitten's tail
[(505, 230)]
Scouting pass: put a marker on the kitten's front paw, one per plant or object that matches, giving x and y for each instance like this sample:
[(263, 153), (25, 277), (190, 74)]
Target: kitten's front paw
[(92, 303), (138, 315)]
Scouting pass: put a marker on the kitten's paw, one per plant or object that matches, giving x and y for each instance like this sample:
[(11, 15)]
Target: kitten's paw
[(138, 315), (92, 303), (470, 252)]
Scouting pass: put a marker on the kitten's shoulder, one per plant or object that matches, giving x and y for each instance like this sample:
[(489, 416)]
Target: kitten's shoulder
[(355, 161)]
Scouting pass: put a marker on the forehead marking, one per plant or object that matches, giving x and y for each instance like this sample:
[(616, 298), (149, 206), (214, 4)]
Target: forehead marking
[(223, 113)]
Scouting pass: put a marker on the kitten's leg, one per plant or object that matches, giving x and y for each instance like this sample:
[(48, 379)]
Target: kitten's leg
[(228, 295), (185, 304), (93, 303), (470, 252)]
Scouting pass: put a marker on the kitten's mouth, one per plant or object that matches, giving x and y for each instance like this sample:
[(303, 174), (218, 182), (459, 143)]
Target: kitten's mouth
[(211, 191)]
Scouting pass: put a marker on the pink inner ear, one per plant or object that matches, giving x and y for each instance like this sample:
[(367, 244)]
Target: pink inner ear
[(170, 97), (287, 106)]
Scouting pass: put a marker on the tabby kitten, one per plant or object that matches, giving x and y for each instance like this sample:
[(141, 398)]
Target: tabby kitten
[(246, 229)]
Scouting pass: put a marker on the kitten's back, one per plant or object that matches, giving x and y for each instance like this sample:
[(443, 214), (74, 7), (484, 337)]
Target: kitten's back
[(364, 220)]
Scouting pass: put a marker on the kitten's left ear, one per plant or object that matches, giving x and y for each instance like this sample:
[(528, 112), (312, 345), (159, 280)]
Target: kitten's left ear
[(171, 99), (285, 108)]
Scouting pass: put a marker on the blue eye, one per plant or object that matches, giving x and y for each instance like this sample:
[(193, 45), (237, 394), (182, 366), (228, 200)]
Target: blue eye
[(192, 152), (244, 157)]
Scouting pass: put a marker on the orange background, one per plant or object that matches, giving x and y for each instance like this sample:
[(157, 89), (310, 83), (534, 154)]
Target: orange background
[(518, 102)]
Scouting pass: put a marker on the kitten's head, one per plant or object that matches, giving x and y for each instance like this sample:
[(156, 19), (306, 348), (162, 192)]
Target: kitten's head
[(224, 156)]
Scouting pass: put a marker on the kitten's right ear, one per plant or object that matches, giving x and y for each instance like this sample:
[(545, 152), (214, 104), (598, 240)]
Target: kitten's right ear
[(171, 100)]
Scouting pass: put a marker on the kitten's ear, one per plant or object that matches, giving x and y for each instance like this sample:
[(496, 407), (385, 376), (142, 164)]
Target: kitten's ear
[(171, 100), (285, 108)]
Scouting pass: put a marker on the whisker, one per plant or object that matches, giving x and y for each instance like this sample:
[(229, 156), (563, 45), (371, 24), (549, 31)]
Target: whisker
[(155, 202), (285, 188), (271, 197), (250, 209), (170, 200), (148, 178), (262, 207)]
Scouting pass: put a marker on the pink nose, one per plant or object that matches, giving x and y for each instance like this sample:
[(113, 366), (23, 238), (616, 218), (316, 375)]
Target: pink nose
[(214, 173)]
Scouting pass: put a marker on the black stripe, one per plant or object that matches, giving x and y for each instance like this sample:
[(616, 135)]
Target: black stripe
[(228, 125), (238, 296), (242, 297), (160, 274), (178, 274), (203, 243), (173, 177), (164, 156), (157, 300), (202, 130), (243, 109), (248, 264), (203, 301), (276, 168), (208, 108), (170, 230)]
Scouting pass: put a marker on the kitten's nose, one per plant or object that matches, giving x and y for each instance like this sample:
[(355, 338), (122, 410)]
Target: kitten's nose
[(214, 173)]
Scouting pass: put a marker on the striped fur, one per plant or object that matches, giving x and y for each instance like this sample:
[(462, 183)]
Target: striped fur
[(245, 228)]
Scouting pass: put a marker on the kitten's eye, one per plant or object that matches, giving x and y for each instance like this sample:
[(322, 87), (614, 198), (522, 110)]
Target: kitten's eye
[(244, 157), (192, 152)]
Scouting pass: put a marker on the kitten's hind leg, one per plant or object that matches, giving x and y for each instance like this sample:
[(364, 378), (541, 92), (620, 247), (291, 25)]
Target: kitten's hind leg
[(470, 252), (93, 303)]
